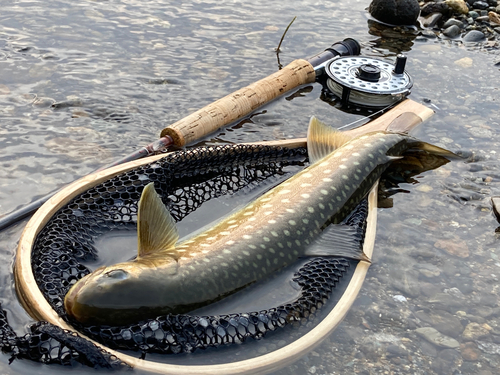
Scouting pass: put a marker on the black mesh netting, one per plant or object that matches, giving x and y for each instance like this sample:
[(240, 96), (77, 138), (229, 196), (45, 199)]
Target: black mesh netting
[(185, 180)]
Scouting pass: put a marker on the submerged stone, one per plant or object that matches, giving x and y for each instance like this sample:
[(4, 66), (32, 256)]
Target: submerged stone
[(435, 337)]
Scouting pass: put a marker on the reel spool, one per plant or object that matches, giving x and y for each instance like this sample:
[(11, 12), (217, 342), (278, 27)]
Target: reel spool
[(368, 82)]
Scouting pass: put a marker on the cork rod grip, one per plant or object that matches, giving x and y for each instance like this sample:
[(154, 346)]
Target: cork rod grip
[(240, 103)]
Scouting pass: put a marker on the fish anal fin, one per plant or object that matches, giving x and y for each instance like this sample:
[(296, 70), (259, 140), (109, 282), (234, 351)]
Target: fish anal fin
[(339, 240), (323, 140), (156, 229)]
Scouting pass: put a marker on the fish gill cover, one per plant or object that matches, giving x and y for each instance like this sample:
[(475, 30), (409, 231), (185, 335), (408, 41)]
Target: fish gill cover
[(185, 180)]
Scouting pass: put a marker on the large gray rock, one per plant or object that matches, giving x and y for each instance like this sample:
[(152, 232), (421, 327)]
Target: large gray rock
[(395, 12)]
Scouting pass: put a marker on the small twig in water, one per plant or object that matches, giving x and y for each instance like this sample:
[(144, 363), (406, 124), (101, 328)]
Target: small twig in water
[(283, 37)]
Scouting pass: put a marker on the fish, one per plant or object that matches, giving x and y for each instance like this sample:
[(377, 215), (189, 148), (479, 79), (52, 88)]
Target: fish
[(298, 218)]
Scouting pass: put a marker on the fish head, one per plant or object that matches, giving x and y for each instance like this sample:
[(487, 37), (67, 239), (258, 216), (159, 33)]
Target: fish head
[(120, 291)]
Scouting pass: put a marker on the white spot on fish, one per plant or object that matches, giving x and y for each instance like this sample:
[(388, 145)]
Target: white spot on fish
[(251, 219), (248, 213), (285, 191), (285, 200), (206, 260), (247, 227), (252, 247), (355, 154), (327, 179), (267, 213), (305, 184), (286, 232), (324, 192), (266, 239), (327, 171), (259, 256), (291, 210), (275, 234), (310, 209), (305, 195), (344, 176), (225, 233), (305, 221), (231, 221), (307, 175), (342, 166), (349, 147), (247, 236), (272, 221), (246, 253), (226, 251), (292, 222)]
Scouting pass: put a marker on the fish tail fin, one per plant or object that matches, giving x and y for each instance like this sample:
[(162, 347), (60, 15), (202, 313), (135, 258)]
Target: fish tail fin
[(323, 139), (432, 149)]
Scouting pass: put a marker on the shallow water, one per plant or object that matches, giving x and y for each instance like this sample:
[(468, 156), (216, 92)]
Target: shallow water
[(119, 71)]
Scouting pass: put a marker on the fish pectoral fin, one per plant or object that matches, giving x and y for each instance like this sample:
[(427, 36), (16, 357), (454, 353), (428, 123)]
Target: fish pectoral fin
[(322, 140), (156, 229), (339, 240)]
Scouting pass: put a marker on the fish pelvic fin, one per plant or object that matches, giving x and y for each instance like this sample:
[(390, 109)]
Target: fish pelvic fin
[(156, 229), (323, 140)]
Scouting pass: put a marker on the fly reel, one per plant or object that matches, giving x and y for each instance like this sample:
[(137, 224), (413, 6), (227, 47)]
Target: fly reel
[(368, 82)]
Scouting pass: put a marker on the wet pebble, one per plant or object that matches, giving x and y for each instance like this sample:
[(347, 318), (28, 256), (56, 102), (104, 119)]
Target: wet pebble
[(473, 36), (474, 332), (454, 247), (451, 31), (403, 12), (494, 17), (446, 323), (465, 62), (453, 22), (435, 337), (469, 351), (446, 362), (431, 20), (396, 351), (458, 6), (480, 5)]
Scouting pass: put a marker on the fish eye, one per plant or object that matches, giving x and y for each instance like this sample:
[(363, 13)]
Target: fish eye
[(117, 274)]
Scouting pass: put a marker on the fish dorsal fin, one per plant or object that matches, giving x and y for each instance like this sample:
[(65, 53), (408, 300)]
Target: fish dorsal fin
[(323, 140), (156, 229)]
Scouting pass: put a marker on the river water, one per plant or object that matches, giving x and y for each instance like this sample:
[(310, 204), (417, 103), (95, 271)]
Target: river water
[(120, 71)]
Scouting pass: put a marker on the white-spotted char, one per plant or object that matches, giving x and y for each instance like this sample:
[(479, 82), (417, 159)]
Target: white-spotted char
[(270, 233)]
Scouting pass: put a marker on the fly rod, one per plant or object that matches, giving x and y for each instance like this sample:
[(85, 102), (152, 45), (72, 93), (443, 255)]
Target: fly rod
[(222, 112)]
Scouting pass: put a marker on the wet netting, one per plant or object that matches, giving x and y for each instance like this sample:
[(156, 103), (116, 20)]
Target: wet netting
[(185, 180)]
